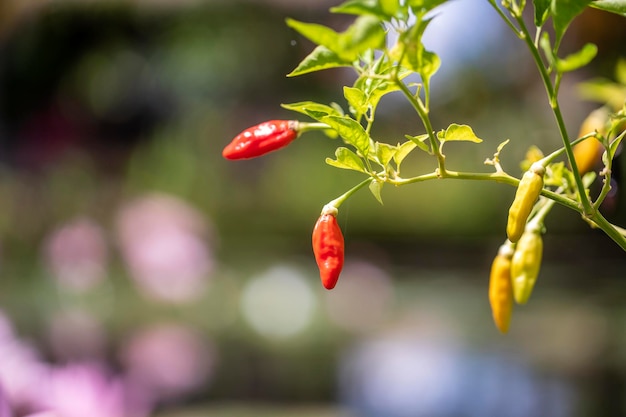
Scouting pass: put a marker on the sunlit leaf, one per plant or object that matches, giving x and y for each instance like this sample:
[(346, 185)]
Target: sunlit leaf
[(403, 151), (556, 172), (533, 154), (603, 91), (320, 59), (318, 34), (423, 6), (350, 131), (419, 141), (311, 109), (356, 99), (578, 59), (385, 153), (456, 132), (346, 159), (382, 9), (375, 188), (416, 57), (364, 34)]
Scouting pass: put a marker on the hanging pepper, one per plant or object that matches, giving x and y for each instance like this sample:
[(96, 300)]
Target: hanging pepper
[(261, 139), (588, 152), (528, 191), (500, 289), (328, 247), (525, 264)]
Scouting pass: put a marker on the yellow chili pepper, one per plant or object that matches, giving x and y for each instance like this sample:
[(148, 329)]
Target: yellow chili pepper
[(588, 152), (528, 191), (525, 264), (500, 289)]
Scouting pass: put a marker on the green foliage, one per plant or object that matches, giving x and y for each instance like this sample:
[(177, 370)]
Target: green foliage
[(384, 45), (381, 69), (613, 6)]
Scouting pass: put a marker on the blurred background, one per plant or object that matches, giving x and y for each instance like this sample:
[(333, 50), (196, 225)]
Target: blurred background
[(143, 275)]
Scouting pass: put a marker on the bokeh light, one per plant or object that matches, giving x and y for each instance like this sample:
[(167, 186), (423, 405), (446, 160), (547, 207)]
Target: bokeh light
[(279, 303)]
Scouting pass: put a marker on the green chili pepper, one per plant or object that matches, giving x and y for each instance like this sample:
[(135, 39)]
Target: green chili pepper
[(528, 191)]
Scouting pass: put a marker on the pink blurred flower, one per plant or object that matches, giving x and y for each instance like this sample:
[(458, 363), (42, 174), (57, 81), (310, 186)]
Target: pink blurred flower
[(21, 371), (168, 360), (76, 254), (88, 389), (5, 410), (163, 241)]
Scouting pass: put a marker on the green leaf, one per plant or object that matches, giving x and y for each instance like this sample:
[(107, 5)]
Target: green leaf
[(350, 131), (311, 109), (375, 88), (613, 6), (416, 57), (419, 141), (420, 7), (364, 34), (578, 59), (346, 159), (563, 12), (385, 153), (382, 9), (603, 91), (615, 144), (403, 151), (556, 172), (456, 132), (356, 99), (393, 8), (318, 34), (542, 11), (375, 188), (320, 59)]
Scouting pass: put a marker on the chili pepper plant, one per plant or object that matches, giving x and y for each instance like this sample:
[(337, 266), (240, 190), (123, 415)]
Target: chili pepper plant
[(383, 46)]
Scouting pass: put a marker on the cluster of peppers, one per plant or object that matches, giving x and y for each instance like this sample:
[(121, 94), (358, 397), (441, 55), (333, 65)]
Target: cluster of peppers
[(516, 266)]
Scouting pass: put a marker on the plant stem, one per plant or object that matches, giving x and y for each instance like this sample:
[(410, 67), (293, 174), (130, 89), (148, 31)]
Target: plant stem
[(504, 17), (423, 114), (500, 177), (340, 200), (588, 209)]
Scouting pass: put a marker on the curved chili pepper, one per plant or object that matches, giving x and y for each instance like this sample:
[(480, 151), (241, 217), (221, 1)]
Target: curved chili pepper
[(528, 191), (500, 288), (261, 139), (328, 247), (525, 265)]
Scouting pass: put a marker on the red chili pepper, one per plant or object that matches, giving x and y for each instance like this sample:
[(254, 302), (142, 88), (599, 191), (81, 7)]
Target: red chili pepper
[(328, 247), (261, 139)]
